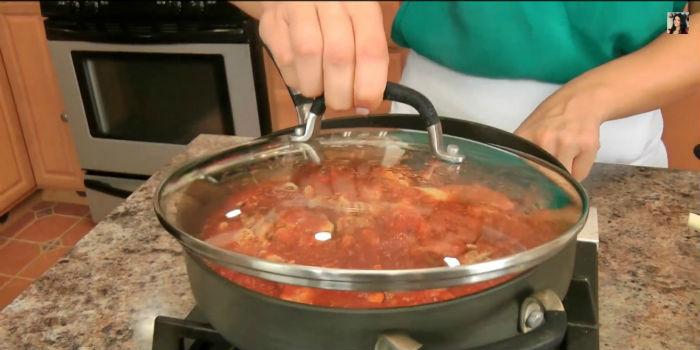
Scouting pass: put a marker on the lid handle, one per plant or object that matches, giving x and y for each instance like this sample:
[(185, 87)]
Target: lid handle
[(398, 93)]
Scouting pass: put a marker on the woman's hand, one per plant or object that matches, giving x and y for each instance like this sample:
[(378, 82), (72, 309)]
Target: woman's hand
[(567, 125), (338, 49)]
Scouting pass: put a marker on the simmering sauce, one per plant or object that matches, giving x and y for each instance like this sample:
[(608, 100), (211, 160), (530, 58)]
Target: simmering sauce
[(348, 213)]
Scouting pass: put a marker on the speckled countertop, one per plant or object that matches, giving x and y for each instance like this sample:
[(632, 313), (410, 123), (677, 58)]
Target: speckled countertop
[(106, 293)]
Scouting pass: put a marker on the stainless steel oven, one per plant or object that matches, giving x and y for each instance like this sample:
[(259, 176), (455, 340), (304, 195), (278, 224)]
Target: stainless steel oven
[(141, 79)]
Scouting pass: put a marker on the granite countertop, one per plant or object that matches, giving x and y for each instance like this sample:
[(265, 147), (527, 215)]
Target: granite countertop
[(127, 270)]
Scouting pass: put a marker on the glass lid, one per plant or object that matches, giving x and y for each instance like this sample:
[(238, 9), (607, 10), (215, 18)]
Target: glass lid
[(354, 207)]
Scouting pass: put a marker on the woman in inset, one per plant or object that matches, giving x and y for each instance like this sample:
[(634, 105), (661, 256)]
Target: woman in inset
[(680, 26)]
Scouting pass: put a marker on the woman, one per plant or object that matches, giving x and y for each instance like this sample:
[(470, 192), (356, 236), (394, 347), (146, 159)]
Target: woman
[(679, 25), (582, 80)]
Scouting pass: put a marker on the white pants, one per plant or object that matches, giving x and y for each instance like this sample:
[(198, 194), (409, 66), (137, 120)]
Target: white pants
[(505, 103)]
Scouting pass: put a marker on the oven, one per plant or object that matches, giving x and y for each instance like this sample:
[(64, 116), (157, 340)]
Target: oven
[(141, 79)]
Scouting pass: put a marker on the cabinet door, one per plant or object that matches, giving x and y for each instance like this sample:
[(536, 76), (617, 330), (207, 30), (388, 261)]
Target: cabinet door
[(682, 132), (282, 112), (16, 178), (37, 97)]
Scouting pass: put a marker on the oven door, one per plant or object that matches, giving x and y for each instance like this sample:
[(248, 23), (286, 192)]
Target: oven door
[(132, 107)]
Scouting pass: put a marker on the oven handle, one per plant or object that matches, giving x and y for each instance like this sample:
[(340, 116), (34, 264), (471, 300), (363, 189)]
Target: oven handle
[(215, 35), (106, 188)]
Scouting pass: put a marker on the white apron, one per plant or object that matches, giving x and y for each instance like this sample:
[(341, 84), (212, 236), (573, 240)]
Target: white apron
[(505, 103)]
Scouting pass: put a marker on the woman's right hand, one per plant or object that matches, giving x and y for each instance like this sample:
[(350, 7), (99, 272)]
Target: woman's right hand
[(337, 49)]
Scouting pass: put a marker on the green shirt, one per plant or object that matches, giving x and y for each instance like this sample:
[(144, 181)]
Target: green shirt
[(546, 41)]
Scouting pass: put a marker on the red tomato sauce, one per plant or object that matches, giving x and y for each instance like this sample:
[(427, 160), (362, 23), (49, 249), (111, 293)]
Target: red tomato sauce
[(350, 214)]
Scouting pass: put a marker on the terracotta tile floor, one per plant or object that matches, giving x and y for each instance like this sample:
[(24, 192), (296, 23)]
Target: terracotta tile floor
[(36, 235)]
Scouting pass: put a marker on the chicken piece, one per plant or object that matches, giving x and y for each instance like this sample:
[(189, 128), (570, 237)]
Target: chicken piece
[(245, 232), (374, 298), (369, 237), (246, 196), (309, 192), (347, 242), (397, 176), (435, 193), (261, 226), (343, 182), (488, 249), (284, 191), (224, 240), (273, 257), (474, 256), (249, 282), (301, 295), (317, 177), (452, 221), (349, 223), (406, 218), (223, 233), (479, 194), (298, 227), (370, 191), (442, 249), (511, 231)]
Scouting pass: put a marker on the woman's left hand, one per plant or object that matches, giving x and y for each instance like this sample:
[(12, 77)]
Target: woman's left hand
[(566, 125)]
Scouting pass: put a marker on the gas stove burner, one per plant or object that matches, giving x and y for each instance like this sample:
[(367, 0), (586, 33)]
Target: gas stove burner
[(178, 334), (580, 303)]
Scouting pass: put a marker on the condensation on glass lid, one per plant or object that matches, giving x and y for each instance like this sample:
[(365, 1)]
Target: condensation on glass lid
[(372, 208)]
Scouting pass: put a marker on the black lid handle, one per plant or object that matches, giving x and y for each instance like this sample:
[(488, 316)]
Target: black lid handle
[(398, 93)]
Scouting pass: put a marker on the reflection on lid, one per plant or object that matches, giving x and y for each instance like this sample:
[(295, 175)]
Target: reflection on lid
[(451, 262), (323, 236), (377, 200), (233, 213)]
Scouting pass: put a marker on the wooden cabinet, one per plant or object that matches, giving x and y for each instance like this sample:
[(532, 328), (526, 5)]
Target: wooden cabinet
[(36, 96), (682, 132), (16, 177), (36, 148)]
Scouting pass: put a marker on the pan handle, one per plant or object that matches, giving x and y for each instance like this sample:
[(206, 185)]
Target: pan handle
[(547, 333), (309, 112), (544, 331), (396, 341), (397, 93), (548, 336)]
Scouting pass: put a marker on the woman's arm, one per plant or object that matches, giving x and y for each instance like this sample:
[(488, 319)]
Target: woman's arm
[(567, 123), (664, 71)]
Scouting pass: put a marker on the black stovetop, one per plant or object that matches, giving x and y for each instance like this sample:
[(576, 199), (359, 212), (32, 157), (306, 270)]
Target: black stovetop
[(580, 303)]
